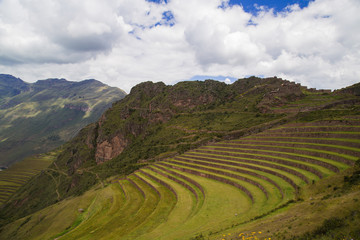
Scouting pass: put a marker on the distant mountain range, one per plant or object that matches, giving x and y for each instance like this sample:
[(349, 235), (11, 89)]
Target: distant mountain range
[(37, 117)]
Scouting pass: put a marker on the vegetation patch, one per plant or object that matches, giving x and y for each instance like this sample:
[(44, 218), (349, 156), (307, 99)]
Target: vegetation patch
[(212, 184)]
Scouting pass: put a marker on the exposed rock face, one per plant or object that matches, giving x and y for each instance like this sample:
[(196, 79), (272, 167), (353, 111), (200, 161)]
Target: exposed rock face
[(135, 116), (106, 150), (280, 93), (149, 104), (354, 90), (190, 95)]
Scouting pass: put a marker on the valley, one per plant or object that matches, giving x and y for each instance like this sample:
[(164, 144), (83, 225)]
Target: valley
[(39, 117)]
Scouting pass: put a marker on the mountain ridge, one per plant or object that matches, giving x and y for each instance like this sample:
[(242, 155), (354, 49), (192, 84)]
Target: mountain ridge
[(56, 108)]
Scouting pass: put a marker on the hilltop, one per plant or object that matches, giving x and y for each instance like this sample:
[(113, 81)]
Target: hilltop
[(37, 117), (176, 161)]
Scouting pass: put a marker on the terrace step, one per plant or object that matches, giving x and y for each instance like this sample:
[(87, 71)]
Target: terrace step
[(314, 128), (191, 181), (338, 142), (346, 159), (169, 203), (223, 165), (209, 162), (346, 135), (182, 183), (227, 183), (331, 148), (254, 165), (218, 171), (290, 156), (221, 202), (211, 176), (159, 181), (140, 219), (342, 122), (270, 162), (124, 198), (268, 183)]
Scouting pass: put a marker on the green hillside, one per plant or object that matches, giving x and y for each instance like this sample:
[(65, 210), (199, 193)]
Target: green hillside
[(258, 159), (227, 190), (19, 173), (37, 117)]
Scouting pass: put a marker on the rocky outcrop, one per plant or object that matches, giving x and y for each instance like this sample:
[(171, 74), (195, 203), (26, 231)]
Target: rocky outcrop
[(279, 94), (149, 104), (354, 90), (106, 150)]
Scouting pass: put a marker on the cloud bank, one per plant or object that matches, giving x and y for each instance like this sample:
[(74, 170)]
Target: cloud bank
[(124, 42)]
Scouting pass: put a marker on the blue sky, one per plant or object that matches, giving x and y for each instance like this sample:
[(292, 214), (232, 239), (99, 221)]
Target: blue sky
[(250, 6), (125, 42)]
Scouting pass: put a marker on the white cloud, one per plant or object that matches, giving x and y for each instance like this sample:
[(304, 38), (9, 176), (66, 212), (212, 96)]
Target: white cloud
[(124, 42)]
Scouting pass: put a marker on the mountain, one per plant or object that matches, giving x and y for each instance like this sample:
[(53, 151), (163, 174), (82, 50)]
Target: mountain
[(11, 86), (37, 117), (200, 160)]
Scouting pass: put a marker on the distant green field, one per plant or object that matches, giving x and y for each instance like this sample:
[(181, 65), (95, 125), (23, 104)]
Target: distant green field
[(15, 176)]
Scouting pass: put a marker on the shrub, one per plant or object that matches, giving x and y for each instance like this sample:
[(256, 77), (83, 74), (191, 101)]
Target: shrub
[(328, 225)]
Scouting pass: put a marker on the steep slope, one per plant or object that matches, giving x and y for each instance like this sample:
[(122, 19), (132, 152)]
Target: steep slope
[(285, 182), (156, 121), (37, 117), (11, 86)]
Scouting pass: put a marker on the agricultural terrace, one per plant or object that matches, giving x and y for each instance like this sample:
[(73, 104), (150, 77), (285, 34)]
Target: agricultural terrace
[(19, 173), (213, 189)]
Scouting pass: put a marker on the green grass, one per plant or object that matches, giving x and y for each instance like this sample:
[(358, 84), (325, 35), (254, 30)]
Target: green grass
[(17, 175), (126, 215), (182, 211), (50, 221), (258, 195), (346, 156), (109, 200), (329, 161), (275, 142), (197, 188), (322, 169), (217, 196), (180, 199), (344, 141), (159, 214), (151, 202), (274, 191), (273, 195), (327, 201), (257, 163), (351, 134)]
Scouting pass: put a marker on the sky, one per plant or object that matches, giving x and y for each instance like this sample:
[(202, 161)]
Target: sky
[(125, 42)]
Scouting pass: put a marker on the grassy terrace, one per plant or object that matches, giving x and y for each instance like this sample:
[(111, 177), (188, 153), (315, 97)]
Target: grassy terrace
[(298, 162), (211, 191), (15, 176), (258, 164)]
